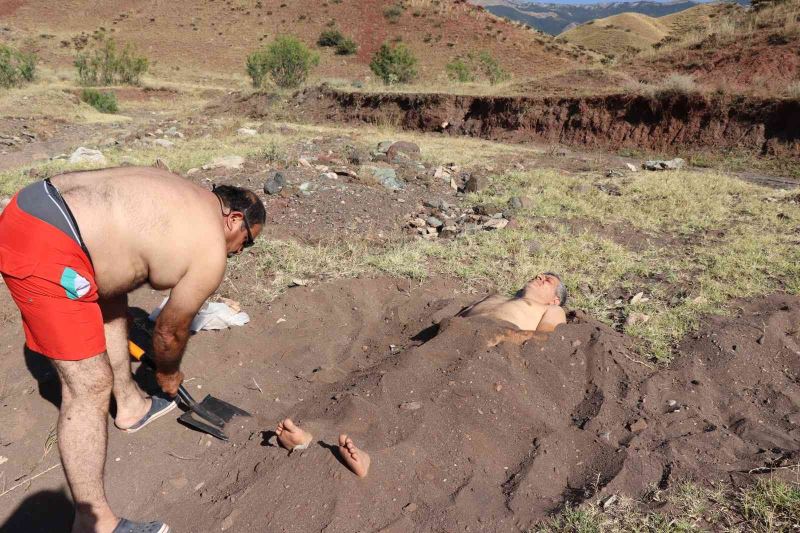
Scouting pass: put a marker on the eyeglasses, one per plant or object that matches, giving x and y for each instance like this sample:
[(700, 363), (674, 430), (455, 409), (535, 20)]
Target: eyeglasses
[(249, 242)]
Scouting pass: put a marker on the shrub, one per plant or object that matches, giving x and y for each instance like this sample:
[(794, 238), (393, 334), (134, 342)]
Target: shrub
[(492, 69), (394, 64), (332, 37), (458, 70), (105, 65), (103, 102), (286, 60), (393, 13), (677, 84), (16, 67), (347, 47)]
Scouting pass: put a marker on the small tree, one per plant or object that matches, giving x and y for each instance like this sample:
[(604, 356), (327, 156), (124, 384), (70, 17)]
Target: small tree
[(347, 47), (331, 37), (286, 60), (103, 102), (16, 67), (492, 69), (458, 70), (105, 65), (394, 64)]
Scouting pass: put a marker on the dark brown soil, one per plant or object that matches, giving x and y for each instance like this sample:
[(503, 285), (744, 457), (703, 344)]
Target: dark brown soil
[(504, 435), (669, 122)]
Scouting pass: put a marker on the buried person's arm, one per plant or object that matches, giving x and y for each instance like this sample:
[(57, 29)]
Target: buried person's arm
[(554, 316), (172, 325)]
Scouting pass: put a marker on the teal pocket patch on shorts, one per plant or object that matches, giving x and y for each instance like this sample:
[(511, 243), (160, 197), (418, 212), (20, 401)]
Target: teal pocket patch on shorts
[(74, 284)]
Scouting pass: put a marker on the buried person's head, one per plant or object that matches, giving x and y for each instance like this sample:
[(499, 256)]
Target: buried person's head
[(546, 288), (244, 217)]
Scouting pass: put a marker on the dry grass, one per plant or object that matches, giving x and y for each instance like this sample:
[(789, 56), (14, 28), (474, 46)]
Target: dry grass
[(619, 34)]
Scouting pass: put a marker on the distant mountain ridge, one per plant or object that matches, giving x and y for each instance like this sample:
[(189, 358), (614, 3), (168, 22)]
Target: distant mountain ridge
[(555, 18)]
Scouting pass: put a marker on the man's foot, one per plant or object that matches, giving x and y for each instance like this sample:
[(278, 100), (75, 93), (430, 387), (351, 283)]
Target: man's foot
[(355, 459), (126, 526), (292, 437), (158, 407)]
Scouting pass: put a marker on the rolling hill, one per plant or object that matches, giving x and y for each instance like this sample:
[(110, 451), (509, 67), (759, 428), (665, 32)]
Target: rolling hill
[(205, 37)]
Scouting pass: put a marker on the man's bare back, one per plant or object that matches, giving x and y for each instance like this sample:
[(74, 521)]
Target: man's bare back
[(536, 308), (133, 240)]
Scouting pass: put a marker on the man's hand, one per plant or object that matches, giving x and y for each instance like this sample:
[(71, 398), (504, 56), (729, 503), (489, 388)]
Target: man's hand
[(169, 383)]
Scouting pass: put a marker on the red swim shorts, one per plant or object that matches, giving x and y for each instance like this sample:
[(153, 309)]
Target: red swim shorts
[(52, 281)]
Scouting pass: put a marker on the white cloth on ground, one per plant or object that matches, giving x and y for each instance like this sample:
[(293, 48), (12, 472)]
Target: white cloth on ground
[(212, 316)]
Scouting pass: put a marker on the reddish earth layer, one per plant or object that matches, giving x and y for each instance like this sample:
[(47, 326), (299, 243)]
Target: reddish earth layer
[(770, 126)]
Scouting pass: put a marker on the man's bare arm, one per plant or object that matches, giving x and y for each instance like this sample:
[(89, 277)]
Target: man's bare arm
[(553, 317), (172, 326)]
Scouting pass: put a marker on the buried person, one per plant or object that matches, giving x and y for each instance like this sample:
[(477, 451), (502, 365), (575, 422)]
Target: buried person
[(293, 437), (538, 306), (71, 249)]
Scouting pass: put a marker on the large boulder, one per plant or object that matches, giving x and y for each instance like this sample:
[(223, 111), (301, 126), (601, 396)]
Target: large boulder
[(231, 162), (659, 164), (275, 184), (411, 150), (387, 177)]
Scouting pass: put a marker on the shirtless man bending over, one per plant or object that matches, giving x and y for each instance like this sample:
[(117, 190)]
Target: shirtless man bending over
[(71, 249), (537, 307)]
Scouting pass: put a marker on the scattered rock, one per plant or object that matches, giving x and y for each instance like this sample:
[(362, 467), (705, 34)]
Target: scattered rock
[(614, 173), (410, 406), (631, 167), (576, 343), (173, 132), (303, 162), (87, 155), (638, 425), (387, 177), (357, 156), (231, 162), (246, 132), (3, 203), (520, 202), (448, 232), (192, 171), (402, 147), (417, 223), (639, 298), (164, 143), (660, 164), (636, 318), (496, 223), (476, 184), (275, 183), (434, 222), (329, 175), (384, 146)]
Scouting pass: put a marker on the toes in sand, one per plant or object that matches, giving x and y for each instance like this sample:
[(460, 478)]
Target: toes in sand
[(291, 436), (355, 459)]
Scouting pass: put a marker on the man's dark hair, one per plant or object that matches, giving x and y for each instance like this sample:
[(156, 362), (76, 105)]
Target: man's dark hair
[(244, 201), (561, 289)]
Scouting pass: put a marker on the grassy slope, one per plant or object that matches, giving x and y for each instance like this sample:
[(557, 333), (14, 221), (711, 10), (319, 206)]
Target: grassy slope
[(618, 34)]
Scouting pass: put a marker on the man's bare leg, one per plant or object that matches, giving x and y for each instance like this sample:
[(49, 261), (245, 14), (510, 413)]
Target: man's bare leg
[(356, 460), (132, 403), (82, 437)]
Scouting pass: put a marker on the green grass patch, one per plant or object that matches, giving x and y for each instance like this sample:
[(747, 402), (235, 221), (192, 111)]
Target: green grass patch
[(103, 102)]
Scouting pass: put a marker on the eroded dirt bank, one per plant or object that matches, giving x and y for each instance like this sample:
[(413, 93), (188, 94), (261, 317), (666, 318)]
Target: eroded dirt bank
[(767, 126)]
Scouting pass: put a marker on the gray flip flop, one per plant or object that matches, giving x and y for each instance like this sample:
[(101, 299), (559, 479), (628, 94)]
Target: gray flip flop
[(126, 526), (159, 407)]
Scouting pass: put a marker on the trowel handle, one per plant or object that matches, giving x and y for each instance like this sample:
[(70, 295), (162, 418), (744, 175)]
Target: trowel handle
[(139, 354)]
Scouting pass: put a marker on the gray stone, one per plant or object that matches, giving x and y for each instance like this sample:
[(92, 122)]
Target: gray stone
[(164, 143), (631, 167), (275, 183), (247, 132), (448, 232), (433, 203), (387, 177), (384, 146), (476, 184), (231, 162), (173, 132), (520, 202), (87, 155), (661, 164), (434, 222)]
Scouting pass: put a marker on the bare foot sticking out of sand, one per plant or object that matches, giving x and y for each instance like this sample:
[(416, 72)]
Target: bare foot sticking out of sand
[(355, 459), (292, 437)]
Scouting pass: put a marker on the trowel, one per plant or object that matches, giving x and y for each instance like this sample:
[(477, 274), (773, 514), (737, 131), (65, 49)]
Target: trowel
[(208, 416)]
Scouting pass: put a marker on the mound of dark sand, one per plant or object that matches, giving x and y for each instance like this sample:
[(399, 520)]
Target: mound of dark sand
[(502, 435)]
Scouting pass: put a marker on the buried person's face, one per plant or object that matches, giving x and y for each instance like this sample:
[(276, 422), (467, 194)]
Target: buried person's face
[(542, 289)]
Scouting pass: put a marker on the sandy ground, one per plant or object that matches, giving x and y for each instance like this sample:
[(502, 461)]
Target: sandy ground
[(500, 436)]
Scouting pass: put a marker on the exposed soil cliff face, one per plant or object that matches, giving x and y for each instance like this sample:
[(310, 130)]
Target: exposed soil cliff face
[(769, 126)]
